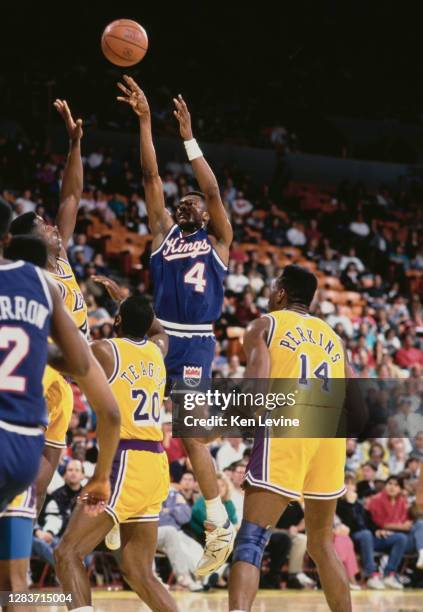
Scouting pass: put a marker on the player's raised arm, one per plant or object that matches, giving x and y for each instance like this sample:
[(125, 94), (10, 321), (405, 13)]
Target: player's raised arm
[(206, 180), (73, 177), (159, 219)]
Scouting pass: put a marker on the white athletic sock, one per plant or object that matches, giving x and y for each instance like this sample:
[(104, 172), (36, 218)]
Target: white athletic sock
[(216, 511), (83, 609)]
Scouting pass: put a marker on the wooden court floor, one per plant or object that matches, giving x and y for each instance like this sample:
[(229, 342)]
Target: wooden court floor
[(267, 601)]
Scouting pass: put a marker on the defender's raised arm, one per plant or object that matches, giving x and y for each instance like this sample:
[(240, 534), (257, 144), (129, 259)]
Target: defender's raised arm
[(73, 177), (159, 219)]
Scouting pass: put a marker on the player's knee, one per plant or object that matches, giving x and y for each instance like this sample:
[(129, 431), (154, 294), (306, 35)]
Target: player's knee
[(319, 547), (66, 552), (250, 543), (135, 574)]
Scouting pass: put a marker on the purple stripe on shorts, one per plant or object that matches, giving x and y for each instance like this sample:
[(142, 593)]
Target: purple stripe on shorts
[(115, 468), (153, 446), (255, 465)]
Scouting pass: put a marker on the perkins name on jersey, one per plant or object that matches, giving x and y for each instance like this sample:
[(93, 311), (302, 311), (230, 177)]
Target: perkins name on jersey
[(19, 308), (299, 336)]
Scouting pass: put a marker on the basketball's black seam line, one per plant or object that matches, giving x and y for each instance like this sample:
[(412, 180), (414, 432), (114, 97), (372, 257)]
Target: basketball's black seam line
[(129, 27), (106, 36), (117, 54)]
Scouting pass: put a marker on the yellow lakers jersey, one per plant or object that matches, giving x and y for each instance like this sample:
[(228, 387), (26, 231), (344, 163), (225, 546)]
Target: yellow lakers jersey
[(308, 366), (71, 294), (138, 384)]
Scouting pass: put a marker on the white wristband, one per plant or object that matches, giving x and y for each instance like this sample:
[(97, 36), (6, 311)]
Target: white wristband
[(192, 149)]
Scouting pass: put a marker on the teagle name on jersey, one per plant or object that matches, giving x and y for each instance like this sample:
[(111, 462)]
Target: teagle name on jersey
[(296, 338), (178, 248)]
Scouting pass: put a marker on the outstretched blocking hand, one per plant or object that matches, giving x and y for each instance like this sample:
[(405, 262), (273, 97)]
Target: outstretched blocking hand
[(134, 96), (184, 118), (112, 288), (73, 127)]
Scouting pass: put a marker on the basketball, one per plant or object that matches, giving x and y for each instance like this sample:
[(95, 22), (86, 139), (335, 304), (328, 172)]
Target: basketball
[(124, 42)]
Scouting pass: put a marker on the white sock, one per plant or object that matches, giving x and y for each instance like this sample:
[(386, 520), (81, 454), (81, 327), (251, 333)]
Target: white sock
[(83, 609), (216, 511)]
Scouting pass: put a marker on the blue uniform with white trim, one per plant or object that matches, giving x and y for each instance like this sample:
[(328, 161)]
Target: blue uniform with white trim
[(188, 277), (25, 316)]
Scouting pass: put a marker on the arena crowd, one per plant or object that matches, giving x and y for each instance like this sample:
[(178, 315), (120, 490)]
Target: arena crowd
[(365, 247)]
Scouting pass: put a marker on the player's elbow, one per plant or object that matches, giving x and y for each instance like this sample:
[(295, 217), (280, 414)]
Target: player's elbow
[(80, 367), (212, 191), (150, 176)]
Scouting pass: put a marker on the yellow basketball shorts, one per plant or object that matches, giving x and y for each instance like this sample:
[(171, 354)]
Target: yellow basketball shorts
[(309, 468), (140, 481), (59, 400)]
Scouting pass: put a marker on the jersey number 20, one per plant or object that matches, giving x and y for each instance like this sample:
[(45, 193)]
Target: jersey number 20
[(140, 414)]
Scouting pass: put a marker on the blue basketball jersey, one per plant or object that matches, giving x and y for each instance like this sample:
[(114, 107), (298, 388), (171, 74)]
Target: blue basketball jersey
[(25, 316), (188, 277)]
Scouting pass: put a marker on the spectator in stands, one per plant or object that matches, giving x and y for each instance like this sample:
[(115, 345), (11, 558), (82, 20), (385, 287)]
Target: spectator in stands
[(236, 281), (409, 355), (349, 277), (247, 310), (241, 206), (389, 510), (80, 244), (296, 235), (231, 450), (188, 487), (369, 539), (25, 203), (418, 446), (359, 227), (351, 258), (235, 369), (338, 317), (397, 456), (353, 455), (366, 486), (376, 457), (183, 552)]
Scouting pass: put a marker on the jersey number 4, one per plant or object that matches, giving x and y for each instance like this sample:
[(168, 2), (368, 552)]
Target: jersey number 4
[(16, 341), (195, 276)]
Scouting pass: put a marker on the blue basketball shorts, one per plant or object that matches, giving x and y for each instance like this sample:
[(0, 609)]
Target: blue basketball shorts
[(15, 537), (20, 455), (189, 360)]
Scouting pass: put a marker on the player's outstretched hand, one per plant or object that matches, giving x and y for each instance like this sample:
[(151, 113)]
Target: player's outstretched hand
[(112, 288), (94, 496), (74, 128), (183, 116), (134, 96)]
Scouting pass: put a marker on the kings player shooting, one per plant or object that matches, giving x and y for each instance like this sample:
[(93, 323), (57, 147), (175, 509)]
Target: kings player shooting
[(188, 265)]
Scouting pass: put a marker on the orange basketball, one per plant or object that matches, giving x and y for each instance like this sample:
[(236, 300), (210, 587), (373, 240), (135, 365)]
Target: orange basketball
[(124, 42)]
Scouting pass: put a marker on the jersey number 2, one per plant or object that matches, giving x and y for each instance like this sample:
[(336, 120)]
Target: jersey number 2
[(195, 276), (19, 339)]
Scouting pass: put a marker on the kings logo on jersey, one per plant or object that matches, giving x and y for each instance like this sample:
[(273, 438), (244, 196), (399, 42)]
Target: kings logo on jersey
[(192, 375)]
